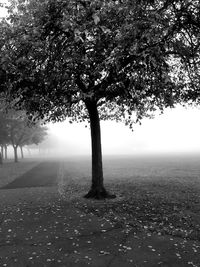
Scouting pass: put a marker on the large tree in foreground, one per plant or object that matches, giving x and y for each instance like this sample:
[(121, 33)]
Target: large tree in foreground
[(97, 60)]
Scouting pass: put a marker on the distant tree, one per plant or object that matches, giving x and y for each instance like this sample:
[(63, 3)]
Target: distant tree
[(3, 145), (98, 60), (17, 130), (49, 144), (33, 136), (22, 134), (39, 134), (4, 139)]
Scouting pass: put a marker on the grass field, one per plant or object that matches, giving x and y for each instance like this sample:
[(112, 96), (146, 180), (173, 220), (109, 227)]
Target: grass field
[(158, 194), (10, 170), (157, 204)]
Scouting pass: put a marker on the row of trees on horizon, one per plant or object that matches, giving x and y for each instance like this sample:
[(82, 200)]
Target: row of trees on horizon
[(16, 130)]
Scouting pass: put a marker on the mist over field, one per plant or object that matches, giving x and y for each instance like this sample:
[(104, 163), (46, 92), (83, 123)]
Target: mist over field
[(176, 131), (122, 167), (138, 166)]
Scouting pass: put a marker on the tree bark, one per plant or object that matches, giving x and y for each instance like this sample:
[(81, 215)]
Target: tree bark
[(1, 159), (2, 152), (22, 152), (6, 152), (97, 190), (15, 154)]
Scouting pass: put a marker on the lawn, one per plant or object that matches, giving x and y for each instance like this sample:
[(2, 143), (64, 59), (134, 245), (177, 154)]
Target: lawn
[(154, 221), (10, 170), (154, 195)]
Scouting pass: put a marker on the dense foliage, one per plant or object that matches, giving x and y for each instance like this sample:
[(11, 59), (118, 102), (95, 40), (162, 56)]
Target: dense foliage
[(128, 56)]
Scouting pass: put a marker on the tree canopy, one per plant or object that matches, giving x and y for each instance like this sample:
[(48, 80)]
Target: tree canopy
[(127, 55), (91, 60)]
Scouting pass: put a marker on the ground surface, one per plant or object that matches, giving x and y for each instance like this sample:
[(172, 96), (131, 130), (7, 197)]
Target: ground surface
[(43, 174), (153, 222), (9, 171)]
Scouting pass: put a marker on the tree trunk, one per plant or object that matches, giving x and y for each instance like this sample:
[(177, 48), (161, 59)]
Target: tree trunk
[(2, 152), (1, 159), (6, 151), (15, 154), (22, 152), (97, 189)]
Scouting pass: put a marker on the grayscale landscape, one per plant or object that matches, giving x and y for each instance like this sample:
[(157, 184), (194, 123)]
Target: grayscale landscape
[(99, 133)]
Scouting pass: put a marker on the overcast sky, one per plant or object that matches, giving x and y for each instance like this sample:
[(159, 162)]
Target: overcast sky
[(176, 131)]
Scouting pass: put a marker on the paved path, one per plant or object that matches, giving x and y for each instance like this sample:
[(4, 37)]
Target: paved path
[(38, 228), (44, 174)]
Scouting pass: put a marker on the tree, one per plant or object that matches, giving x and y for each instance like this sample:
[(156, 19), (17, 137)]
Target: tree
[(49, 145), (21, 134), (4, 140), (98, 60), (39, 134), (33, 135), (17, 130)]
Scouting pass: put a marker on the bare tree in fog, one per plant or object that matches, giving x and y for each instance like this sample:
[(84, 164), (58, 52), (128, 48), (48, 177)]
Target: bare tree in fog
[(99, 60)]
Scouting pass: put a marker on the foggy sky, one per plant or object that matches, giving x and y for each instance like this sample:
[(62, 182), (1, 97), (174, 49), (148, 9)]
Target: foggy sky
[(176, 131)]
